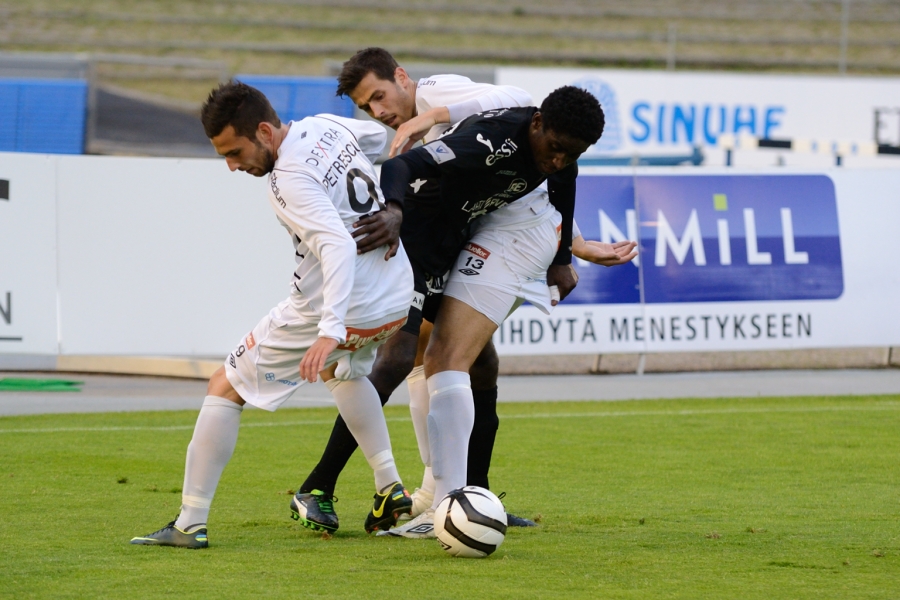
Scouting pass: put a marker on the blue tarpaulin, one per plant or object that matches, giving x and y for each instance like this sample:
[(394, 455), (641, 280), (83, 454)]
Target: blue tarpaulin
[(43, 115)]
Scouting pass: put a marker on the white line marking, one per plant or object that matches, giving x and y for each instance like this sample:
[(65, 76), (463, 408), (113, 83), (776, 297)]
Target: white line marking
[(881, 406)]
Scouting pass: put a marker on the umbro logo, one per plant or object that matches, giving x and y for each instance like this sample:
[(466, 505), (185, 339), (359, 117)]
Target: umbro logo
[(423, 528), (468, 272)]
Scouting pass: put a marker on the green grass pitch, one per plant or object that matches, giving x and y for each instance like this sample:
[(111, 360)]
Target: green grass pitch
[(752, 498)]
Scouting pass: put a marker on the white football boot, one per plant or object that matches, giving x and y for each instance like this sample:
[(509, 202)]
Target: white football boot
[(422, 527), (422, 501)]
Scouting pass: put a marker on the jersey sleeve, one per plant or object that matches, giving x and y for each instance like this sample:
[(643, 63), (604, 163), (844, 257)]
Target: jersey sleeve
[(371, 136), (307, 210), (498, 96), (561, 188), (463, 97)]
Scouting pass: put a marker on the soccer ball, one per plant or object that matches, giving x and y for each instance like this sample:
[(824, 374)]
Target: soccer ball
[(470, 522)]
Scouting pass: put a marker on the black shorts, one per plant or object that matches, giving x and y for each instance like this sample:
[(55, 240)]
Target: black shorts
[(429, 291)]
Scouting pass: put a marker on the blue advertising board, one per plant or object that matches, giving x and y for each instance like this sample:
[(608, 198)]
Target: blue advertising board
[(718, 238)]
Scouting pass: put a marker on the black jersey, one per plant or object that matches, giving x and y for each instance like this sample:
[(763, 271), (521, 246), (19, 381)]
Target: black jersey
[(481, 164)]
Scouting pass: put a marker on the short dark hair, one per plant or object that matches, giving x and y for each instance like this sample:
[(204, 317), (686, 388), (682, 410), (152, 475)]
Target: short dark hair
[(371, 60), (573, 112), (239, 105)]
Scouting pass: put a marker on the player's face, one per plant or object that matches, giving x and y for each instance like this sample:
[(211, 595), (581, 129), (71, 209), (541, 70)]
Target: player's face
[(553, 151), (243, 154), (387, 101)]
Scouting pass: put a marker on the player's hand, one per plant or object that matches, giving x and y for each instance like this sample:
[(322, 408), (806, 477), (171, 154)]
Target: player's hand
[(564, 278), (379, 229), (606, 255), (314, 360), (415, 129), (409, 133)]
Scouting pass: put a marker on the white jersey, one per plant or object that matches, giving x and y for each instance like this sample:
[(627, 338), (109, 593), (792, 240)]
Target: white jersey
[(322, 183), (464, 98)]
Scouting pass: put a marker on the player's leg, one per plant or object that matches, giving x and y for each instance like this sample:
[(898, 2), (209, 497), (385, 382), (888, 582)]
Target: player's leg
[(418, 410), (451, 409), (210, 449), (262, 371), (313, 502), (483, 373), (460, 333), (358, 402)]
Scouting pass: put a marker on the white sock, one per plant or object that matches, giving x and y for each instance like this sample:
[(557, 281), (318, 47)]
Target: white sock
[(418, 410), (428, 481), (211, 447), (450, 423), (361, 409)]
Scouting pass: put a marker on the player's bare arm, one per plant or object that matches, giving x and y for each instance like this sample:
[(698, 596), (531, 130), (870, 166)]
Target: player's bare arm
[(604, 254), (415, 129)]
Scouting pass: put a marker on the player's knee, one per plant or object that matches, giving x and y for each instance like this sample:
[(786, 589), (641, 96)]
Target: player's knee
[(217, 382), (485, 369), (220, 387)]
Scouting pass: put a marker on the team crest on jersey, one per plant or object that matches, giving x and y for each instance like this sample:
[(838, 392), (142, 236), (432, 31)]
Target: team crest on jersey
[(478, 250), (439, 151)]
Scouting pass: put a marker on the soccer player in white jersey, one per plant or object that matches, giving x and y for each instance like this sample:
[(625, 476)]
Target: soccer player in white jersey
[(425, 109), (341, 307)]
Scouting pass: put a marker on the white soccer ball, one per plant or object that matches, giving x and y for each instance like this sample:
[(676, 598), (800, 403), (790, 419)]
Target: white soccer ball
[(470, 522)]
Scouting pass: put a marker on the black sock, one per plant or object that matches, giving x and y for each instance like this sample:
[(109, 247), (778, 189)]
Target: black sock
[(341, 446), (481, 442)]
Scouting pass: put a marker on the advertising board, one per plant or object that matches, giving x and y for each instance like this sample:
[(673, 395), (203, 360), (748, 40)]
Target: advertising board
[(179, 257), (658, 111), (28, 301), (729, 260)]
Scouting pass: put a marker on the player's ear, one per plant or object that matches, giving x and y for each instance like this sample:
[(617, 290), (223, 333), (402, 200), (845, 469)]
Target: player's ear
[(400, 76), (537, 121), (265, 133)]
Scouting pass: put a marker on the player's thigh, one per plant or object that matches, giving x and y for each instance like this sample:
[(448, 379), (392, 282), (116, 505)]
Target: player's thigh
[(395, 359), (460, 333)]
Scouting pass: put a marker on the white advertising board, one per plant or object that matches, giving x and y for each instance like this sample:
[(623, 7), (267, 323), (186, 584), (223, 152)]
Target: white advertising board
[(730, 260), (28, 316), (662, 112), (161, 256)]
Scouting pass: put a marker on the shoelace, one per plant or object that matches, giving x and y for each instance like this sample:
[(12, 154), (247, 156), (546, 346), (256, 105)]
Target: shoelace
[(326, 503), (169, 526)]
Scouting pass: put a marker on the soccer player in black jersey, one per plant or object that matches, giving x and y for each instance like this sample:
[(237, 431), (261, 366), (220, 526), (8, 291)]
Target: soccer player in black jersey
[(481, 164)]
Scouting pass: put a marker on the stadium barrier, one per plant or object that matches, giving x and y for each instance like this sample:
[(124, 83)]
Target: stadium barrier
[(126, 257)]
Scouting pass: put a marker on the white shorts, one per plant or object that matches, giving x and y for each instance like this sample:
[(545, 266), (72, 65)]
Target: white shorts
[(499, 268), (265, 367)]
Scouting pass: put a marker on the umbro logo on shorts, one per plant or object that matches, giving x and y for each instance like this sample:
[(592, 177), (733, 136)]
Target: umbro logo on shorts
[(468, 272)]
